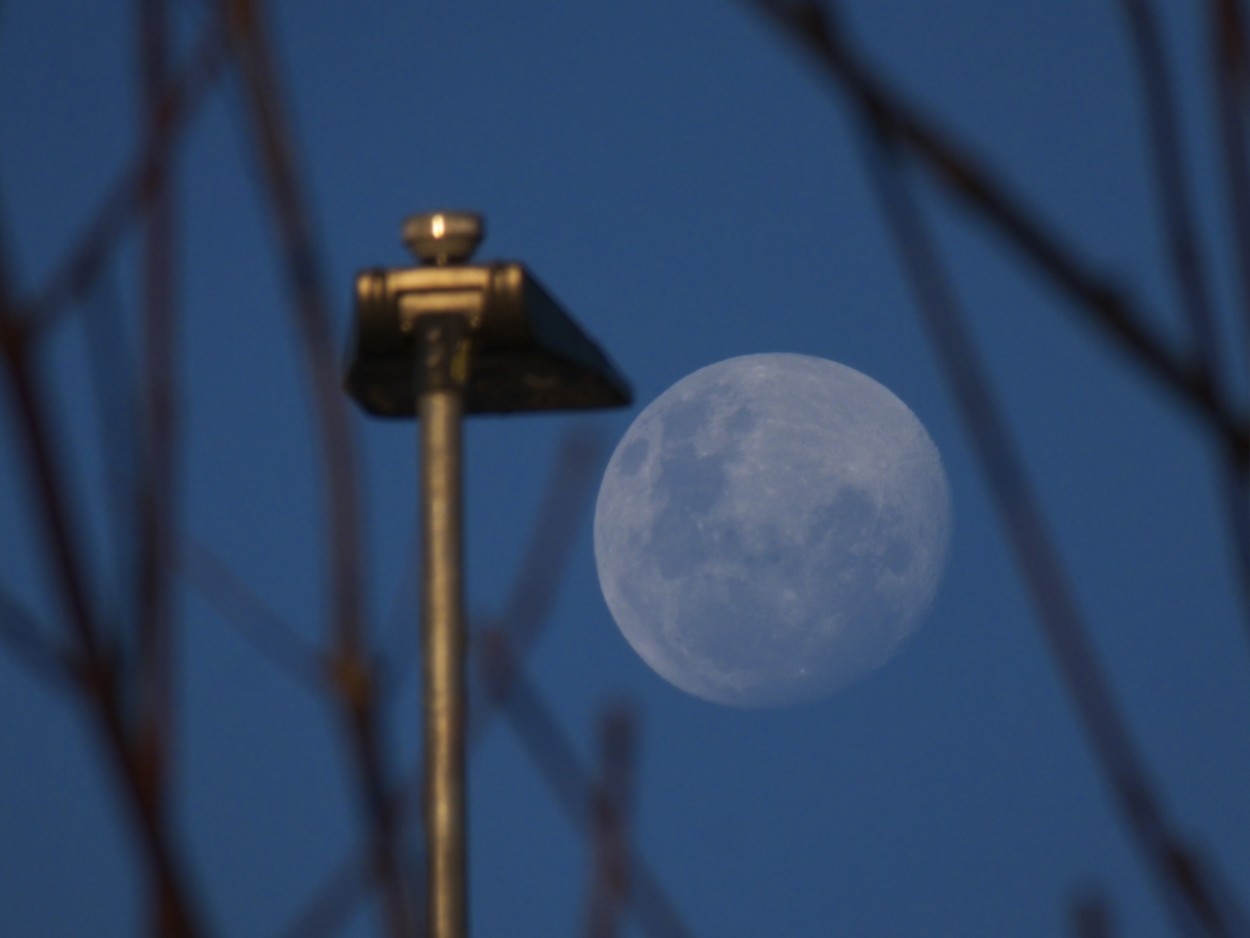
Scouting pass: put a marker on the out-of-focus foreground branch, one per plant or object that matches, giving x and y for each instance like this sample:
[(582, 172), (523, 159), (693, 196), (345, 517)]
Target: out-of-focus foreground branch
[(895, 131), (1109, 305), (1173, 862)]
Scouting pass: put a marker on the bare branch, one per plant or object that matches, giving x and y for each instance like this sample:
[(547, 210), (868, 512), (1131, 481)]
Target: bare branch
[(243, 609), (133, 190), (1231, 73), (45, 479), (1053, 599), (545, 557), (1090, 916), (1184, 248), (20, 631), (266, 113), (98, 672), (613, 798), (155, 543), (334, 902), (560, 513), (565, 500), (1102, 301), (1181, 236), (353, 688), (558, 763)]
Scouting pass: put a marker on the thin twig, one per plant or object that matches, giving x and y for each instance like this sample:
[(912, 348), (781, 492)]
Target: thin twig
[(132, 191), (335, 900), (560, 766), (310, 313), (563, 504), (1090, 916), (355, 687), (277, 640), (155, 512), (98, 673), (1184, 248), (556, 525), (1053, 599), (545, 557), (245, 611), (110, 369), (20, 631), (1231, 71), (565, 500), (1102, 301), (609, 888)]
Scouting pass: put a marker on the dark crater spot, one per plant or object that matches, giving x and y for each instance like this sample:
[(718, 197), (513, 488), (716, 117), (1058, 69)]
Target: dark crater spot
[(692, 482), (848, 517), (740, 421), (633, 456), (689, 485), (683, 419), (898, 556)]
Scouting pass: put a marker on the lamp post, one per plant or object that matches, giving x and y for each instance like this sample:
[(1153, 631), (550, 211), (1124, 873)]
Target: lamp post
[(437, 341)]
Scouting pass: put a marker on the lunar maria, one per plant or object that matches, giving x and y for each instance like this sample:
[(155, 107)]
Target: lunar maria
[(771, 528)]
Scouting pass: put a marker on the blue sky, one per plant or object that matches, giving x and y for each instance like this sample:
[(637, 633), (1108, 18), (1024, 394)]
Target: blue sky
[(691, 189)]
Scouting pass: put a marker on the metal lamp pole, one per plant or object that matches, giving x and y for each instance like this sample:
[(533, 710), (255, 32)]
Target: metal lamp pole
[(437, 342), (440, 410)]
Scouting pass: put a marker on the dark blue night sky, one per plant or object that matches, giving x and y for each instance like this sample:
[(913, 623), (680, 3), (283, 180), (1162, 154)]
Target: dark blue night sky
[(692, 187)]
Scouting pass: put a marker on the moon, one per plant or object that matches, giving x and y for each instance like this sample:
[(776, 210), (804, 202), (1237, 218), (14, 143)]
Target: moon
[(770, 529)]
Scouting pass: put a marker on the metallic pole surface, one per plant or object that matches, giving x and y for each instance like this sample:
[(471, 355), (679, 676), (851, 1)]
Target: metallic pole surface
[(442, 364), (411, 356)]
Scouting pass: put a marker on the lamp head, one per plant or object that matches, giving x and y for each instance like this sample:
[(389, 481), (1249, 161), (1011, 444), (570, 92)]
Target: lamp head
[(527, 353)]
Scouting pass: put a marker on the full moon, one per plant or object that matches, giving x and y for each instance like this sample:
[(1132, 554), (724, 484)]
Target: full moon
[(771, 528)]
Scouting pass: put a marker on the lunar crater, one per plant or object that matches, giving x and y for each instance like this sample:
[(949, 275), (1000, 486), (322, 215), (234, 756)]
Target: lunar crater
[(771, 528)]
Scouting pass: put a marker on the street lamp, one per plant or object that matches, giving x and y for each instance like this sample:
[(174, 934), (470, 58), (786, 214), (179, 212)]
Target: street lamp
[(437, 341)]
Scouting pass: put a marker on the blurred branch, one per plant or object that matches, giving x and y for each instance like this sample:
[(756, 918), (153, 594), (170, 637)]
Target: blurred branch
[(545, 558), (21, 633), (1164, 130), (954, 167), (566, 499), (133, 190), (383, 808), (562, 769), (1090, 916), (288, 203), (111, 373), (611, 812), (60, 526), (1184, 249), (98, 673), (244, 610), (1229, 64), (1188, 898), (156, 510), (335, 900), (397, 646), (354, 685), (354, 695)]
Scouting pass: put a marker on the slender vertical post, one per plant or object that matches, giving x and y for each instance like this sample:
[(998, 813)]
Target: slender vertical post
[(532, 357), (442, 370)]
